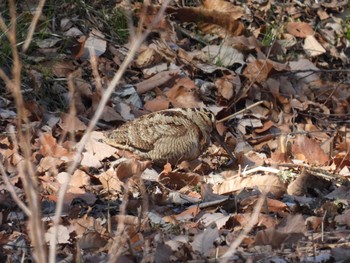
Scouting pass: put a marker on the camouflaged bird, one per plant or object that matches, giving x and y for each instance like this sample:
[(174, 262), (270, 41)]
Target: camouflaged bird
[(171, 135)]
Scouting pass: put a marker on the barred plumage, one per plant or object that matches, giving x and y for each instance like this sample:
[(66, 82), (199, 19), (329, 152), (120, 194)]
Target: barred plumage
[(171, 135)]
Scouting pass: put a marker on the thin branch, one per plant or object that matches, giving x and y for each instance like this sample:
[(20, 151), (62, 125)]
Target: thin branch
[(13, 193), (251, 223), (135, 45), (33, 25), (240, 112)]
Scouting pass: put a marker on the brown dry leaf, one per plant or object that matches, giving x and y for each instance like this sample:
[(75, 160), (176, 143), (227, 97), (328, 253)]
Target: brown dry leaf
[(63, 235), (130, 168), (49, 163), (95, 45), (289, 231), (312, 47), (258, 70), (219, 219), (157, 80), (110, 181), (148, 57), (33, 110), (276, 238), (334, 4), (204, 242), (342, 160), (72, 192), (85, 224), (322, 14), (71, 123), (224, 6), (110, 115), (314, 222), (344, 218), (80, 179), (266, 126), (83, 93), (178, 180), (307, 149), (222, 55), (222, 21), (225, 86), (49, 147), (250, 123), (90, 160), (157, 104), (252, 159), (272, 183), (59, 68), (301, 185), (300, 29), (244, 43), (276, 206), (95, 147), (263, 220), (92, 240), (188, 214), (148, 72), (6, 148), (185, 94)]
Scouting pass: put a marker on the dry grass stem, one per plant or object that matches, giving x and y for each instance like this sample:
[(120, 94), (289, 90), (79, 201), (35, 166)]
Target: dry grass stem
[(135, 45), (32, 27), (25, 168), (252, 222), (240, 112)]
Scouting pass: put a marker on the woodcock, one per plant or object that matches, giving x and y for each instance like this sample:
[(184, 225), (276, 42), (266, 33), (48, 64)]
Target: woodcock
[(171, 135)]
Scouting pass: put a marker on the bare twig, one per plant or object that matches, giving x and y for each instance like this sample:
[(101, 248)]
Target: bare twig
[(12, 191), (33, 25), (251, 223), (135, 45), (25, 168), (240, 112)]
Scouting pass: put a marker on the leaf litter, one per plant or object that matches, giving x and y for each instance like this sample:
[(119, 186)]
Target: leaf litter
[(292, 150)]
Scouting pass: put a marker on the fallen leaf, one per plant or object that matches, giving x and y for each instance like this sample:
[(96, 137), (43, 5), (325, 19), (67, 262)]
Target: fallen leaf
[(177, 180), (71, 123), (312, 47), (92, 240), (300, 29), (110, 181), (263, 182), (185, 94), (156, 81), (62, 237), (95, 45), (204, 242), (304, 148), (130, 168)]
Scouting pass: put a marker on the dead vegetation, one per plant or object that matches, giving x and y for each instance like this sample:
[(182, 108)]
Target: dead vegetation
[(276, 75)]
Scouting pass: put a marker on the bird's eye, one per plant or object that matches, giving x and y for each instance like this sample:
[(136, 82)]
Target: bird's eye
[(208, 114), (212, 117)]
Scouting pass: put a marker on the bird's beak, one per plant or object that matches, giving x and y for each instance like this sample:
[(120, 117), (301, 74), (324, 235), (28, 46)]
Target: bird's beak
[(217, 137)]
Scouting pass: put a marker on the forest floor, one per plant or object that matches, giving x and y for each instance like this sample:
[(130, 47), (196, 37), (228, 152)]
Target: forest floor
[(278, 70)]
